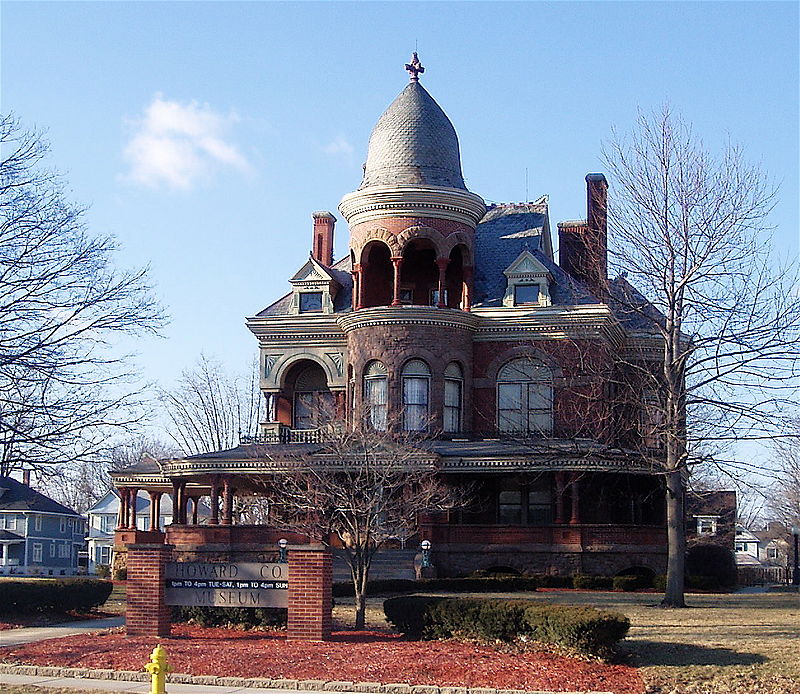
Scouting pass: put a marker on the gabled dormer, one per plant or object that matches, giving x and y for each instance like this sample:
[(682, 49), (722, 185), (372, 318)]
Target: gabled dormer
[(313, 289), (528, 282)]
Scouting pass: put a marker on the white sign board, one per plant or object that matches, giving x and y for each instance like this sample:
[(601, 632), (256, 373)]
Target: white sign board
[(214, 584)]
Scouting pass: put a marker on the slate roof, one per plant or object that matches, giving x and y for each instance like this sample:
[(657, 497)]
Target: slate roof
[(634, 312), (21, 497), (342, 302), (413, 143), (506, 231), (8, 536)]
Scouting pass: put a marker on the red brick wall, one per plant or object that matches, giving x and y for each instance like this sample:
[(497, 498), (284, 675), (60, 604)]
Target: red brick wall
[(395, 344), (310, 601), (146, 614)]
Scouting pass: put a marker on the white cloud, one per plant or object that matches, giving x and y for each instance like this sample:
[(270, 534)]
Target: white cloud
[(177, 144), (339, 147)]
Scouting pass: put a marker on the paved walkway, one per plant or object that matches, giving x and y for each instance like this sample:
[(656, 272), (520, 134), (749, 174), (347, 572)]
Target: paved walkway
[(16, 637)]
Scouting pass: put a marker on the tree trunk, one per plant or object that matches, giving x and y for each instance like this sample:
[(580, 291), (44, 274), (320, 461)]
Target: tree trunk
[(361, 608), (359, 572), (676, 541)]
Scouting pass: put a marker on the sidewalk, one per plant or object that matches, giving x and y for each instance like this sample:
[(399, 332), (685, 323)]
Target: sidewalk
[(16, 637)]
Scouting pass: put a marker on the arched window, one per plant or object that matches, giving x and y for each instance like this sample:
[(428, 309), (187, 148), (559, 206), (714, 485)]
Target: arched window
[(453, 390), (416, 392), (375, 395), (313, 402), (525, 397)]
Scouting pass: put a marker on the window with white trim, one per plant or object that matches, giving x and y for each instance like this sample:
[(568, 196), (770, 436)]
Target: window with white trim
[(772, 552), (52, 549), (707, 525), (11, 523), (37, 553), (416, 395), (62, 524), (376, 395), (63, 551), (453, 396), (37, 522), (525, 397), (102, 554)]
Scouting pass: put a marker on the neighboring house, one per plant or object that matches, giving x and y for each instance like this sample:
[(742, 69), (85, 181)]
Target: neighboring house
[(38, 536), (103, 520), (711, 518), (455, 318), (747, 547), (764, 555)]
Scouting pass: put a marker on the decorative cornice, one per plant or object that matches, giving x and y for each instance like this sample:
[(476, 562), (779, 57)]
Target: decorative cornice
[(316, 328), (378, 202), (407, 315)]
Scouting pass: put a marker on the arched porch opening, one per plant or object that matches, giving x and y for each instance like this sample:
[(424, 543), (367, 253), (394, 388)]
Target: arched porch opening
[(377, 273), (307, 393), (419, 276)]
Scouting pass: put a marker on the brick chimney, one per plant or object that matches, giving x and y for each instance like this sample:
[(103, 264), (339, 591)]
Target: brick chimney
[(26, 478), (583, 249), (322, 243)]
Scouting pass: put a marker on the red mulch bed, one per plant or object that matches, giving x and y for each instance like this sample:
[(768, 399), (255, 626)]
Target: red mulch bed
[(350, 656)]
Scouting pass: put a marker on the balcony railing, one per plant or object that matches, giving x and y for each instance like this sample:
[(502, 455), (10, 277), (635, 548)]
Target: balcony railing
[(283, 434), (9, 562)]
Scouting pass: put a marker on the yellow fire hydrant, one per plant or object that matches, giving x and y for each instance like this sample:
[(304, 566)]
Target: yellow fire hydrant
[(158, 668)]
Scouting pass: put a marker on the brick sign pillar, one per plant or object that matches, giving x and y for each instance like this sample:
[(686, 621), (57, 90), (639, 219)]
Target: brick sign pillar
[(310, 603), (146, 614)]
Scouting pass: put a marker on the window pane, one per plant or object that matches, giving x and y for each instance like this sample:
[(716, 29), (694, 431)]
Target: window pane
[(310, 301), (539, 396), (511, 420), (509, 396), (526, 294), (415, 391)]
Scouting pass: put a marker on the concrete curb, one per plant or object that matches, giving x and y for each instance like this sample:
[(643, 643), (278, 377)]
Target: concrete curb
[(314, 685)]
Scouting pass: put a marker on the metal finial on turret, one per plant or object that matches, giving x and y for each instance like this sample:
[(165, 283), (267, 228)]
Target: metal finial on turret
[(414, 67)]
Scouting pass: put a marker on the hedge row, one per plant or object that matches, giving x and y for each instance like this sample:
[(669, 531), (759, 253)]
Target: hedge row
[(246, 617), (497, 584), (52, 595), (584, 629)]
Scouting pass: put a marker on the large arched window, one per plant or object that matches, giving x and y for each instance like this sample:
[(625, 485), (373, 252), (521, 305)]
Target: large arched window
[(416, 395), (376, 395), (313, 402), (525, 397), (453, 394)]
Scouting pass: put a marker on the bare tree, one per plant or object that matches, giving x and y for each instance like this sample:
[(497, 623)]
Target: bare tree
[(63, 304), (690, 230), (784, 499), (361, 487), (210, 410)]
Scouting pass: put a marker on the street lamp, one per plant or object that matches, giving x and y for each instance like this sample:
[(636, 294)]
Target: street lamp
[(425, 546), (796, 570), (283, 554)]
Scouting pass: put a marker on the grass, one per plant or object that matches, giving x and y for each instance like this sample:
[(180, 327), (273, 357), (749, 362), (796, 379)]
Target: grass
[(722, 644)]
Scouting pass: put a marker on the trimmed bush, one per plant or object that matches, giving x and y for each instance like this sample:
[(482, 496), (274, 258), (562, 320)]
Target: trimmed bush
[(473, 584), (121, 574), (584, 582), (553, 581), (53, 595), (626, 583), (245, 617), (103, 571), (585, 629)]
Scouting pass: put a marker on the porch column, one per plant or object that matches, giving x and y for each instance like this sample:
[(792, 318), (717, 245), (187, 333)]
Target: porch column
[(3, 554), (359, 289), (176, 502), (195, 501), (574, 484), (134, 494), (271, 402), (154, 498), (442, 264), (466, 292), (122, 512), (397, 261), (227, 501), (214, 497), (560, 505), (158, 511)]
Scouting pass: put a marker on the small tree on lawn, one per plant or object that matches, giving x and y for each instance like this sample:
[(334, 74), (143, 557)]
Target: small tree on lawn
[(362, 487), (690, 230)]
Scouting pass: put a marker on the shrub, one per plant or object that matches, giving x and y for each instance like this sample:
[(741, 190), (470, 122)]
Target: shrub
[(471, 584), (121, 574), (246, 617), (626, 583), (103, 570), (712, 561), (584, 582), (585, 629), (53, 595)]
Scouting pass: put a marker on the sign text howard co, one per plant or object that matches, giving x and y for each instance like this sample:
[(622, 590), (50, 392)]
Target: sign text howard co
[(226, 584)]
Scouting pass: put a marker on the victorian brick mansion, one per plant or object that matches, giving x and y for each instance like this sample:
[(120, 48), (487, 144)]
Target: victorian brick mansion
[(453, 317)]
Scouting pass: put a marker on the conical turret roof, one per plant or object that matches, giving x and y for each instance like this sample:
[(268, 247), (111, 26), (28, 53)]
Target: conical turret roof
[(413, 143)]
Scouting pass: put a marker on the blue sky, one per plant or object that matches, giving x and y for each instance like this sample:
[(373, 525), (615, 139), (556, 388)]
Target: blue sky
[(203, 135)]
